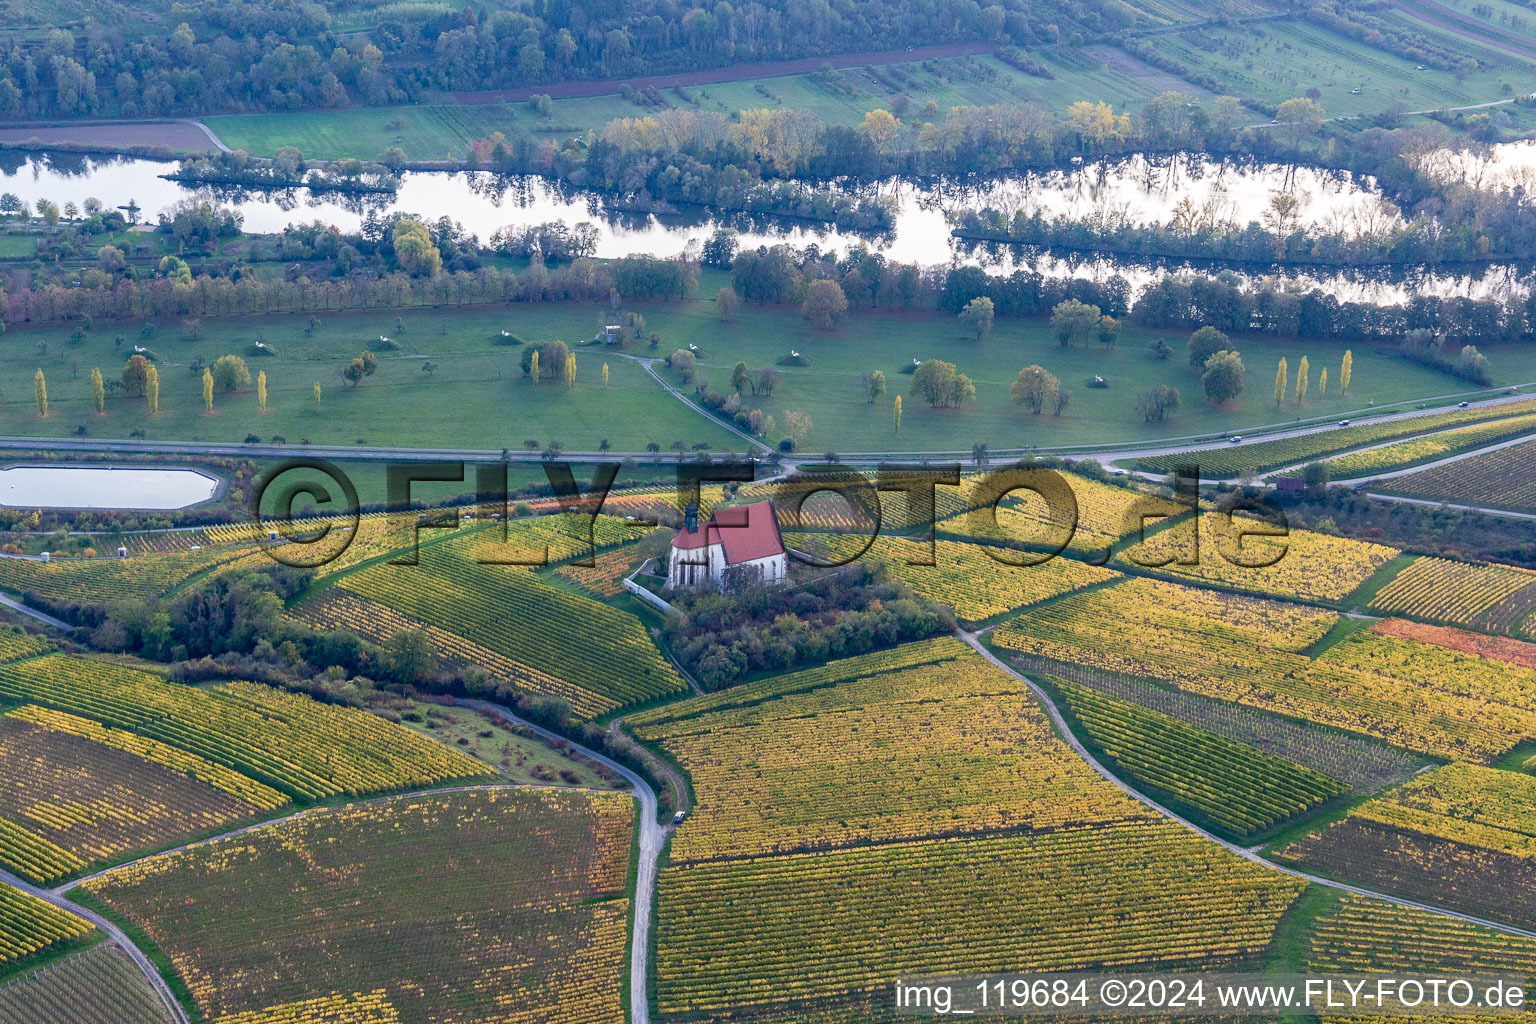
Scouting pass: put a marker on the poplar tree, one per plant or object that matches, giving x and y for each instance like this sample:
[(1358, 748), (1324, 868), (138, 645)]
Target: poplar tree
[(98, 391), (152, 390), (1282, 373)]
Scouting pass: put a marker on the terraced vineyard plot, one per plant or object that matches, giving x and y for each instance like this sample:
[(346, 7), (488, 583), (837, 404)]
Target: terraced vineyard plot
[(1238, 789), (15, 645), (1501, 479), (603, 579), (84, 581), (1461, 836), (1105, 514), (966, 577), (934, 651), (286, 741), (890, 753), (359, 1008), (1423, 449), (501, 904), (842, 924), (1301, 564), (338, 607), (98, 986), (511, 611), (1260, 456), (28, 925), (1365, 766), (1363, 936), (66, 802), (1492, 597), (1252, 651)]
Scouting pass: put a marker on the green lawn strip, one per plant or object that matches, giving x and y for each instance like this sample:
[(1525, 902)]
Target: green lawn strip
[(1360, 598), (140, 938), (1344, 628), (1290, 948), (1514, 759)]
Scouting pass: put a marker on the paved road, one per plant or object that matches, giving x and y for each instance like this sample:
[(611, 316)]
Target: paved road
[(1109, 457), (652, 838), (47, 620), (974, 640), (116, 934)]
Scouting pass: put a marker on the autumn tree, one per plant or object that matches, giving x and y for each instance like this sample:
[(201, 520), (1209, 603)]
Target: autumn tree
[(1298, 118), (1303, 371), (230, 373), (824, 303), (605, 375), (799, 426), (979, 313), (207, 390), (98, 391), (317, 396), (135, 375), (40, 392), (1035, 388), (569, 372), (872, 384), (1346, 370), (726, 304), (1282, 375), (152, 390), (937, 381), (881, 128), (1096, 125), (414, 250), (739, 380), (261, 390), (1322, 383), (896, 413), (1074, 321)]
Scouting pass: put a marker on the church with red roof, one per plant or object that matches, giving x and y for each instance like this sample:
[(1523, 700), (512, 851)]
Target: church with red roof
[(736, 548)]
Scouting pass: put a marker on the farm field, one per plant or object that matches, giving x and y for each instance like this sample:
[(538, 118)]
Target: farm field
[(1461, 836), (549, 919), (1236, 788), (1241, 553), (509, 610), (28, 925), (765, 765), (479, 382), (1029, 814), (1502, 479), (1360, 935), (98, 986), (67, 802), (507, 748), (837, 925), (1492, 597), (1426, 449), (1261, 456), (288, 741), (1364, 765), (1254, 651), (1278, 60)]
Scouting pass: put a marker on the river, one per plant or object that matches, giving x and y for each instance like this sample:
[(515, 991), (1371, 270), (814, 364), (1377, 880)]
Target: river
[(1130, 190)]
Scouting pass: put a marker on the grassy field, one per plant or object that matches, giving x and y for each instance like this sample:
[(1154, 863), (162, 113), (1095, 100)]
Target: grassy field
[(441, 131), (1278, 60), (478, 398)]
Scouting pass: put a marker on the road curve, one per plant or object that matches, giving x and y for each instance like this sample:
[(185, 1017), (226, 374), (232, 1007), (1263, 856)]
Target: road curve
[(116, 934), (974, 640), (652, 838)]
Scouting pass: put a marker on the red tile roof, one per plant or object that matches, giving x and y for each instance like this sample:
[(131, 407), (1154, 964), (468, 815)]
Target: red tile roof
[(746, 532)]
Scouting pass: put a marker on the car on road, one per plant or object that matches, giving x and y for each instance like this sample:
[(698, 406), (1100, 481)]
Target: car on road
[(1462, 405), (677, 819), (1235, 439), (1343, 423)]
